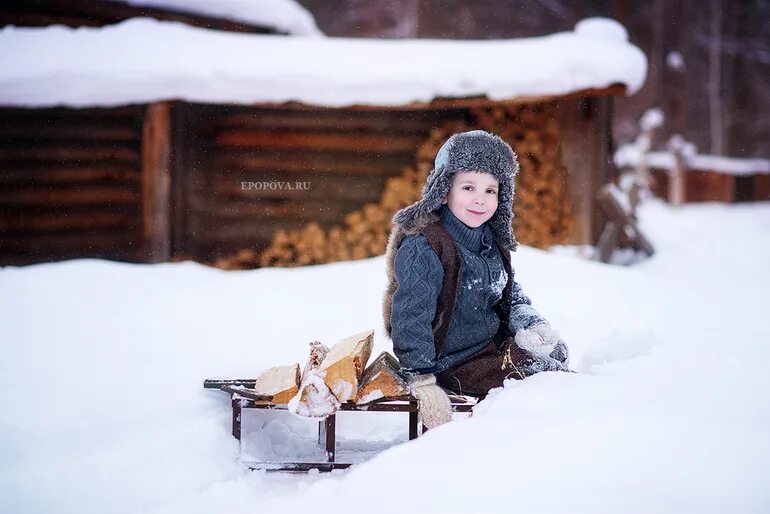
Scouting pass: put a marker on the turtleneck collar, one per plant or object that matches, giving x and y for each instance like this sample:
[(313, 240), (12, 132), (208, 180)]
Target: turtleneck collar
[(474, 239)]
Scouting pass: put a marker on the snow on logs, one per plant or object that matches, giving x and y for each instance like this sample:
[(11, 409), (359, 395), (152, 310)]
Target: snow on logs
[(332, 377)]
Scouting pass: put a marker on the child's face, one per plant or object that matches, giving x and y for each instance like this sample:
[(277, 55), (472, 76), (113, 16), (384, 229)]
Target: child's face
[(473, 197)]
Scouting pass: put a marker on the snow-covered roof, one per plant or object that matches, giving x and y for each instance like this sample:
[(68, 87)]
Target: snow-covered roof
[(144, 60), (284, 15)]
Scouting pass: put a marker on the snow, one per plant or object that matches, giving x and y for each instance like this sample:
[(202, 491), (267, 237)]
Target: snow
[(626, 156), (144, 60), (102, 407), (630, 155), (498, 285), (675, 60), (602, 28), (730, 165), (376, 394), (651, 119), (285, 15), (319, 401)]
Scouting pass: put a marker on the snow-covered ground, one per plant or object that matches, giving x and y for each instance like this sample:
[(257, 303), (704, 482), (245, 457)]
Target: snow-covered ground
[(102, 409)]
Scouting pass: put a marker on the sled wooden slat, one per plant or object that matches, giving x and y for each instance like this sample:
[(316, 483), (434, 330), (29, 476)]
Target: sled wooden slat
[(243, 398)]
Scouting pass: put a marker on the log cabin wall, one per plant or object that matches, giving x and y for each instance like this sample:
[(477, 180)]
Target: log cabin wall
[(177, 181), (70, 184), (359, 167)]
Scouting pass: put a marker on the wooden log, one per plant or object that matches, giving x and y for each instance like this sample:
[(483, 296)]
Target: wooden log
[(234, 162), (357, 142), (280, 383), (343, 366), (58, 175), (49, 247), (156, 182), (90, 114), (37, 132), (33, 222), (340, 120), (70, 153), (314, 399), (318, 352), (381, 379), (83, 195), (315, 186), (246, 212)]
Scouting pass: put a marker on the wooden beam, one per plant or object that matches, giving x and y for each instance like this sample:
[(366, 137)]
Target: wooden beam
[(100, 194), (156, 181), (68, 175), (458, 103)]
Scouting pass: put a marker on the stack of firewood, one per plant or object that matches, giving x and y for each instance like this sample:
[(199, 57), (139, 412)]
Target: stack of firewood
[(541, 207), (365, 231), (246, 258), (332, 377)]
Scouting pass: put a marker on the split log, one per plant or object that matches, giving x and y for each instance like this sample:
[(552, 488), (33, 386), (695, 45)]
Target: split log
[(318, 352), (344, 365), (382, 379), (315, 399), (280, 383)]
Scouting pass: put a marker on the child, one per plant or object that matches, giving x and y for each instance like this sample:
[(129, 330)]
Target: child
[(455, 314)]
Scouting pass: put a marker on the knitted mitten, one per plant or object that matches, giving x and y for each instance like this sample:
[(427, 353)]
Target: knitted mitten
[(435, 407), (544, 344)]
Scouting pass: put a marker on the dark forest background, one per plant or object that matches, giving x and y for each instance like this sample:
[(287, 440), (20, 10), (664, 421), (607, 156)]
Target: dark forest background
[(709, 61)]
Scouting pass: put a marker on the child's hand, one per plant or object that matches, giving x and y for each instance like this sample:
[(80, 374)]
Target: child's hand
[(537, 340), (546, 333), (435, 407)]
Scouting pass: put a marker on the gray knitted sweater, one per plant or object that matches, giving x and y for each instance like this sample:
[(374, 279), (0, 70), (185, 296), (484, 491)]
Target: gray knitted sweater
[(419, 276)]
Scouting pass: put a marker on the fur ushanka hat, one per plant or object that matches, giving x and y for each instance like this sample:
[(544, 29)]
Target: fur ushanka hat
[(476, 150)]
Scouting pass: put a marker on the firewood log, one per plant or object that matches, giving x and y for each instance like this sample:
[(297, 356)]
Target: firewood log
[(318, 352), (344, 364), (381, 379), (315, 399), (281, 383)]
